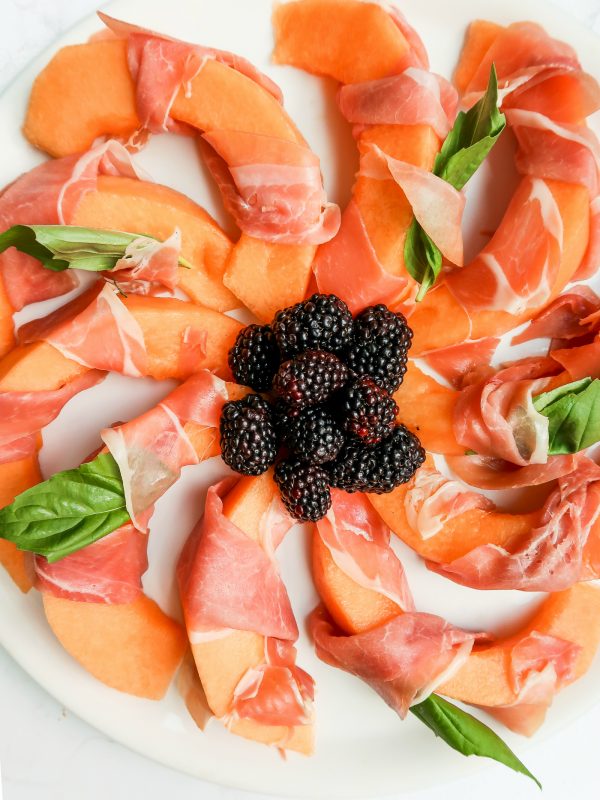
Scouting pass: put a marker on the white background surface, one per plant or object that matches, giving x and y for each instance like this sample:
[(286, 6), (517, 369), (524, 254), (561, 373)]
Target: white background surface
[(46, 752)]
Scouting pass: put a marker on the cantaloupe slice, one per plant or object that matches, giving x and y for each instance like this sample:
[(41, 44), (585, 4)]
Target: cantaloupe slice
[(149, 208), (439, 320), (16, 477), (134, 647), (347, 40), (352, 607), (39, 366), (573, 615), (479, 38), (426, 408), (222, 662), (7, 328)]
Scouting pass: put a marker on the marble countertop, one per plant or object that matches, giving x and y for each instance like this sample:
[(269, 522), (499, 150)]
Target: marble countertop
[(47, 753)]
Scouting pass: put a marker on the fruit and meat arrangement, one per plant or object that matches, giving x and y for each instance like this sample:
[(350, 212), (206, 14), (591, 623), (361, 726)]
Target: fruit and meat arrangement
[(380, 390)]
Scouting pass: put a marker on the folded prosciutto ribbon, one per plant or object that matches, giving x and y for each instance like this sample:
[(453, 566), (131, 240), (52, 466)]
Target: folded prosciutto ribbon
[(406, 657), (230, 582)]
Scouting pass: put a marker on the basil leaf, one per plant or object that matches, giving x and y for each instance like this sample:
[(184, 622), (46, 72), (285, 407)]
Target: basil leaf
[(472, 137), (422, 257), (466, 734), (61, 247), (68, 511), (573, 413)]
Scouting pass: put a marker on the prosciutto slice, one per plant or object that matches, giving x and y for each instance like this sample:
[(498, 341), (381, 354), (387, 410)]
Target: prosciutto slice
[(432, 500), (551, 557), (436, 204), (403, 660), (49, 195), (358, 541), (148, 263), (566, 318), (580, 362), (107, 571), (495, 474), (414, 97), (348, 267), (152, 449), (23, 414), (539, 666), (161, 66), (496, 417), (272, 187), (517, 269), (95, 330), (462, 363), (549, 150)]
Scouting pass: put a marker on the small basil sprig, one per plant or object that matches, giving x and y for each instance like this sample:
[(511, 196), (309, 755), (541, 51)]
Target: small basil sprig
[(473, 135), (466, 734), (61, 247), (573, 413), (69, 511)]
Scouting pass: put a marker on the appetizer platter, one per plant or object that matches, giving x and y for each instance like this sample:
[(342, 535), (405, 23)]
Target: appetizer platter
[(300, 381)]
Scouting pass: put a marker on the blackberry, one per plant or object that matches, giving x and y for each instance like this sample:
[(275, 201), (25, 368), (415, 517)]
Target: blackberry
[(379, 468), (254, 358), (312, 435), (369, 411), (323, 322), (310, 378), (304, 489), (379, 346), (248, 437)]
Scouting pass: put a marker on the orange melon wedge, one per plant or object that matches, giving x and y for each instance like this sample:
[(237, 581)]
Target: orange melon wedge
[(222, 662), (479, 38), (16, 477)]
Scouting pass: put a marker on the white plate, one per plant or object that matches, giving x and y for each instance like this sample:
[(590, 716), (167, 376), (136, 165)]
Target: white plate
[(362, 747)]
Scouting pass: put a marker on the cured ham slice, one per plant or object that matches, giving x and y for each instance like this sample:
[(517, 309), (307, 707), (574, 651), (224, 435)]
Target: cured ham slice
[(548, 150), (551, 556), (107, 571), (49, 195), (418, 53), (539, 666), (23, 414), (496, 417), (272, 187), (147, 262), (403, 660), (580, 362), (358, 541), (348, 267), (564, 319), (462, 363), (152, 449), (95, 330), (495, 474), (436, 204), (160, 66), (414, 97), (432, 500), (517, 269)]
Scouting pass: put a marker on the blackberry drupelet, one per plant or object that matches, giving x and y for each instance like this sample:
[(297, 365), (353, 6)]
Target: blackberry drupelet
[(379, 346), (323, 322), (313, 435), (254, 358), (248, 436), (304, 489), (369, 411), (310, 378), (379, 468)]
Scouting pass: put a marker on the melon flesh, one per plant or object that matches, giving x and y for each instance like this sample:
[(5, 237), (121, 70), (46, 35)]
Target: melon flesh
[(479, 37), (222, 662), (149, 208), (133, 647), (16, 477)]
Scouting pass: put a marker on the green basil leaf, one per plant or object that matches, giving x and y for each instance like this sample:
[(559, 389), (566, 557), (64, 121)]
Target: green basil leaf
[(61, 247), (465, 733), (68, 511), (573, 413), (422, 258), (472, 137)]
